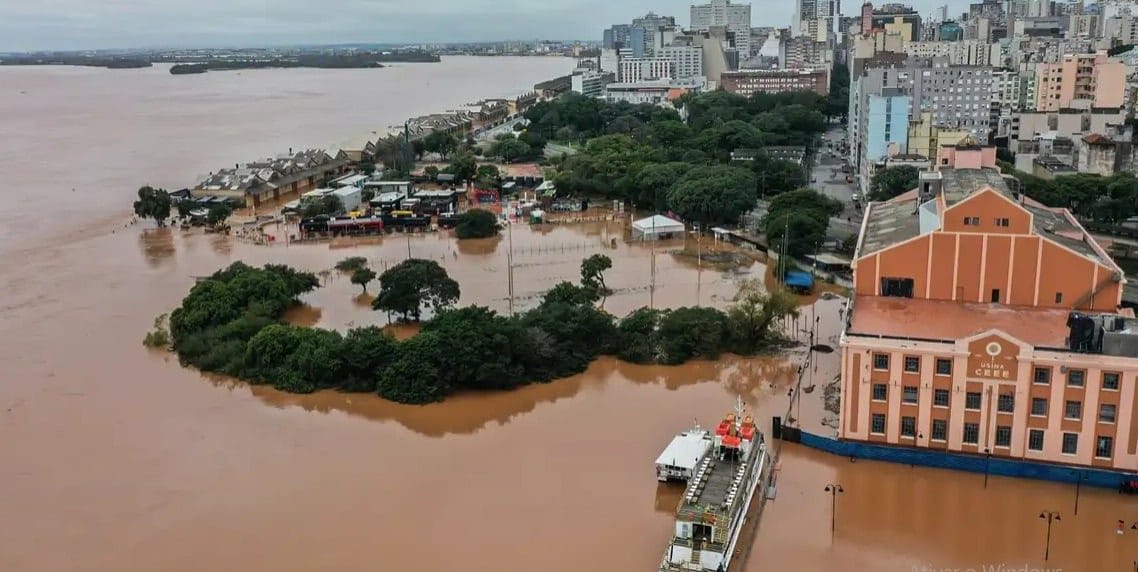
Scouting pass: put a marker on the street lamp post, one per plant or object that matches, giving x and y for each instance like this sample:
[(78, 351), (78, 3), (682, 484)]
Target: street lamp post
[(987, 465), (1080, 476), (834, 491), (1050, 516)]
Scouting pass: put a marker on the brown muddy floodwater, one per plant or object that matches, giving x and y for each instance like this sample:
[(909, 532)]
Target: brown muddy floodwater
[(115, 458)]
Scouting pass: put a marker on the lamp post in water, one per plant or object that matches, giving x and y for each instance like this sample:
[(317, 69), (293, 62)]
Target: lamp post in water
[(987, 465), (1080, 476), (1050, 516), (834, 491)]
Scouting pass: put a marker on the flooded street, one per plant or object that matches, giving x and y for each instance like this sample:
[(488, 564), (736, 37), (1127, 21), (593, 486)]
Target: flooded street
[(115, 458)]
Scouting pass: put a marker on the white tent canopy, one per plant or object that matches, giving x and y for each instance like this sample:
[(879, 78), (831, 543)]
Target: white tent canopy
[(656, 227)]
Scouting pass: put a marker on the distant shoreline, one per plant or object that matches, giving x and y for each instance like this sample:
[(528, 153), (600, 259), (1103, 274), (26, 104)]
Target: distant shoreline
[(202, 64)]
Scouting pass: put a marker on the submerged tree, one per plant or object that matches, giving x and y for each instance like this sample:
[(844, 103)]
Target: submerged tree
[(412, 284), (153, 203), (755, 310), (218, 214), (363, 276), (476, 223), (351, 264), (592, 272)]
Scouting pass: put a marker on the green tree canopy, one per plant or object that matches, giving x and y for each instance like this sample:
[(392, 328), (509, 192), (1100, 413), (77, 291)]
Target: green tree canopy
[(687, 333), (329, 205), (755, 310), (652, 181), (153, 203), (362, 276), (890, 182), (593, 272), (218, 214), (351, 264), (463, 166), (806, 213), (439, 142), (713, 194), (477, 223), (413, 284), (511, 150), (184, 207)]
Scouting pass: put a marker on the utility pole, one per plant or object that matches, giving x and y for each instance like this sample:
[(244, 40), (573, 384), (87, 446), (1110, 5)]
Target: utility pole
[(652, 272), (510, 262), (698, 263)]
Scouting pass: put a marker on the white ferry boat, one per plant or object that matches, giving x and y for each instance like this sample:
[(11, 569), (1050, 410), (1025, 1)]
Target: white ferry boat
[(719, 494), (683, 455)]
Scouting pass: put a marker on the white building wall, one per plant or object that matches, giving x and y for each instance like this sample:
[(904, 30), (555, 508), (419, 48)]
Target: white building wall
[(634, 70), (687, 60), (736, 17)]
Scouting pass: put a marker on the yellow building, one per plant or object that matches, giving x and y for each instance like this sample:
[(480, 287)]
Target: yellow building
[(926, 139)]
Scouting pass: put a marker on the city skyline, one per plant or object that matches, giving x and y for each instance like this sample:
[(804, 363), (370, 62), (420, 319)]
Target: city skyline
[(118, 24)]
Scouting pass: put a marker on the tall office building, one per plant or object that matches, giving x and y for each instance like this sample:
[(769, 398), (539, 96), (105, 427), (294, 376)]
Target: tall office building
[(735, 17), (815, 19), (644, 36)]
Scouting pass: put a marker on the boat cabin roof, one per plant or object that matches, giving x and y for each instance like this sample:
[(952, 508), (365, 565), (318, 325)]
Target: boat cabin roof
[(686, 450)]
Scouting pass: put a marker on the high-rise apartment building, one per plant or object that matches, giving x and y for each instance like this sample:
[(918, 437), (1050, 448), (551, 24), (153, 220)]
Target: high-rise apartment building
[(967, 52), (814, 19), (897, 16), (1079, 81), (646, 34), (735, 17), (884, 128)]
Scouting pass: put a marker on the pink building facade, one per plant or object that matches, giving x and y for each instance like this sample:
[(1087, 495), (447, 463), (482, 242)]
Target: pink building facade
[(985, 323)]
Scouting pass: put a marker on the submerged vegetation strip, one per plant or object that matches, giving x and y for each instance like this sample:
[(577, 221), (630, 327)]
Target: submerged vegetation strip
[(232, 323)]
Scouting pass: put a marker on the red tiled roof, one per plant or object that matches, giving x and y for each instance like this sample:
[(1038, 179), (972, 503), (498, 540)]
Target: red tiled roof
[(1096, 139), (948, 320)]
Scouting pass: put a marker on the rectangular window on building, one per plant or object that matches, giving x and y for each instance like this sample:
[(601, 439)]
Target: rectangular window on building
[(1042, 375), (940, 430), (881, 361), (1073, 410), (1107, 413), (910, 395), (995, 295), (1076, 377), (1039, 406), (1070, 443), (1003, 222), (880, 391), (908, 426), (971, 221), (1035, 440), (1006, 403), (912, 364), (1104, 447), (940, 397), (971, 433), (1058, 297), (897, 287), (943, 366), (877, 424), (1110, 381), (972, 401), (1003, 436)]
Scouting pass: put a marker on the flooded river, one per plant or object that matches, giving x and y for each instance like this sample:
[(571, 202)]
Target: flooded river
[(115, 458)]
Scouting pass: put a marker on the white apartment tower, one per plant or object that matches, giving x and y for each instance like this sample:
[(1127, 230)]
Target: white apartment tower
[(735, 17)]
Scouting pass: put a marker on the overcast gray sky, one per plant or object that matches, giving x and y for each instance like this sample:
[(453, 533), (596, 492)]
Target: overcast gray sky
[(90, 24)]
